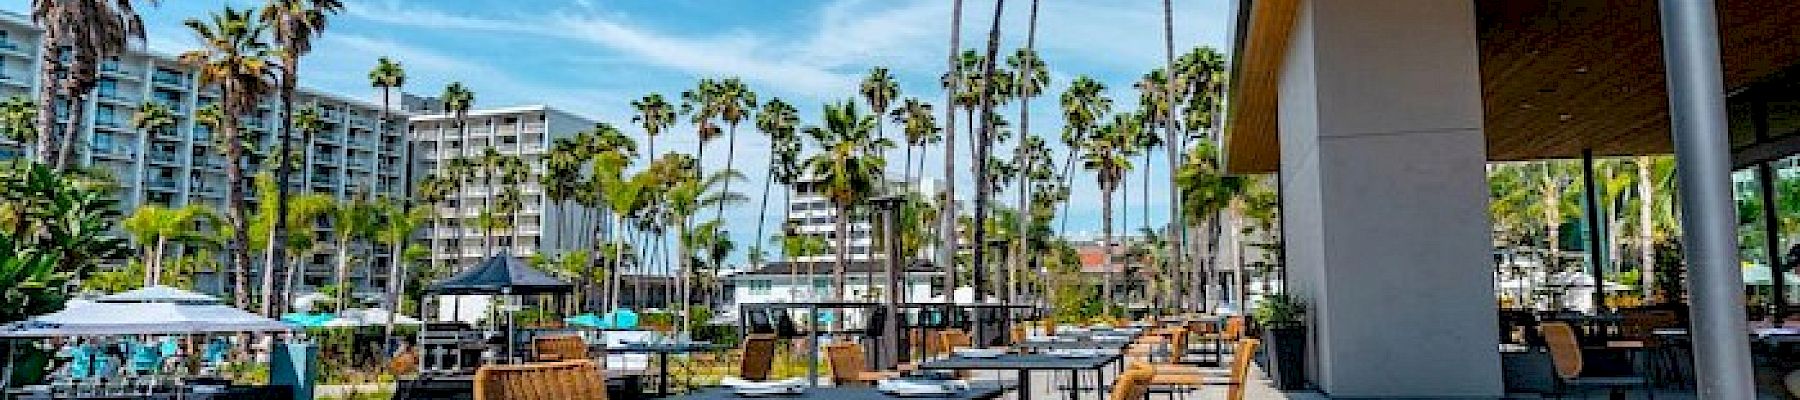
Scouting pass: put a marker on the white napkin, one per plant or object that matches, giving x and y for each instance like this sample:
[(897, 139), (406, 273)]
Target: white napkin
[(909, 386), (741, 383)]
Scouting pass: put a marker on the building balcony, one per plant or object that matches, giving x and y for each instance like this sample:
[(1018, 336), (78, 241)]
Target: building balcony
[(534, 127), (162, 184), (13, 79), (168, 80), (112, 151), (114, 70), (167, 157), (117, 99)]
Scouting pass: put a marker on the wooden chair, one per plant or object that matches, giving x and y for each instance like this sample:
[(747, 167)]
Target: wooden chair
[(951, 339), (1565, 355), (579, 379), (1132, 385), (559, 348), (1182, 377), (1167, 343), (759, 357), (849, 368)]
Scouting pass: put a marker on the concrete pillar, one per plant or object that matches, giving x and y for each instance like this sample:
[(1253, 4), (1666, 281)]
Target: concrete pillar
[(1385, 198)]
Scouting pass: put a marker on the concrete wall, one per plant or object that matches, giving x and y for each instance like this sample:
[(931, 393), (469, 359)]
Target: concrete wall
[(1385, 198)]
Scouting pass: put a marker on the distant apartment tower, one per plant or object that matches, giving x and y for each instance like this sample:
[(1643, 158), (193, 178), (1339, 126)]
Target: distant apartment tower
[(354, 154), (811, 213), (525, 131)]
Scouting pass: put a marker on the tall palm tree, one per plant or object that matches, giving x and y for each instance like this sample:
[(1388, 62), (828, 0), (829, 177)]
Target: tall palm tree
[(293, 24), (389, 76), (849, 167), (18, 119), (153, 226), (1030, 76), (1084, 104), (920, 127), (700, 107), (152, 118), (991, 87), (778, 121), (947, 239), (735, 103), (689, 194), (455, 177), (878, 90), (77, 35), (237, 60), (655, 115), (1105, 152)]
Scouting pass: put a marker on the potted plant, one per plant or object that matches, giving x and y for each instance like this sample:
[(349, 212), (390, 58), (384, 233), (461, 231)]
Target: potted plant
[(1282, 317)]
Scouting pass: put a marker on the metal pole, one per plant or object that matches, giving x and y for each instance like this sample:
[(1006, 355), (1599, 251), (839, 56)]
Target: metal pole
[(1703, 165), (1765, 176), (1590, 197), (890, 329)]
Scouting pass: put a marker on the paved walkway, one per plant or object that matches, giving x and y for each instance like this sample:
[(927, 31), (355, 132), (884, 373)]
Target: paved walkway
[(1261, 389)]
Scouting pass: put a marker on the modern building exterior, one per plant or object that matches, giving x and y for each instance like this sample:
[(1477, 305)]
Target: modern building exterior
[(809, 212), (355, 154), (1381, 116), (524, 131)]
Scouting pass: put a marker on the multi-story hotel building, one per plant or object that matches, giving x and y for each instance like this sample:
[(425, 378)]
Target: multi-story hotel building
[(523, 131), (811, 213), (354, 154)]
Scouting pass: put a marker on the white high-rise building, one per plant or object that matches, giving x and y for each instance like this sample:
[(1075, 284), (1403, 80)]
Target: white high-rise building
[(355, 154), (524, 131), (811, 213)]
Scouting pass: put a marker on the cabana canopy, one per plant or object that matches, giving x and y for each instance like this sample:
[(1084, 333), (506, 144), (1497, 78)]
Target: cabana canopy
[(501, 274), (149, 311)]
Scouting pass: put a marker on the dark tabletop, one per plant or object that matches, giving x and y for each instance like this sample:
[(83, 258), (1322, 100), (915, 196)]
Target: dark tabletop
[(837, 393), (1020, 362), (1073, 344)]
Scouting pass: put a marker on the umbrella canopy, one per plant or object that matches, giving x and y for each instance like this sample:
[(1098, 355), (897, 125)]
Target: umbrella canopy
[(501, 274), (107, 318), (367, 317), (617, 319), (308, 320), (159, 294)]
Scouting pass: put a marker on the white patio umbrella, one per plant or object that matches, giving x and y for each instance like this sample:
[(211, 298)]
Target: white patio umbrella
[(157, 310), (367, 317)]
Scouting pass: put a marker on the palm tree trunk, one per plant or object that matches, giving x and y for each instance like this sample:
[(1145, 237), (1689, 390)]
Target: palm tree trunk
[(983, 185), (762, 212), (396, 283), (291, 278), (283, 169), (618, 269), (48, 84), (842, 223), (155, 264), (1106, 287), (236, 215), (72, 131), (1172, 144), (342, 272), (1646, 249), (947, 212)]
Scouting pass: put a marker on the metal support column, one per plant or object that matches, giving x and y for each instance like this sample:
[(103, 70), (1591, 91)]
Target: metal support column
[(1765, 177), (1703, 164), (890, 328), (1590, 199)]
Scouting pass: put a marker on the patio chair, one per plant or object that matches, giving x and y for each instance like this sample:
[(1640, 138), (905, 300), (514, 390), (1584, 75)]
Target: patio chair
[(559, 348), (951, 339), (1168, 343), (1183, 378), (1132, 385), (1566, 357), (759, 357), (578, 379), (849, 368)]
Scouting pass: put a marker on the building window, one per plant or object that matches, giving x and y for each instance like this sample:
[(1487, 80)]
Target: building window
[(760, 286)]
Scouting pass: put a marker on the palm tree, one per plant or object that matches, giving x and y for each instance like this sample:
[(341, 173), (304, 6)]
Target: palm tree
[(991, 86), (735, 102), (625, 196), (778, 121), (77, 35), (920, 127), (398, 222), (1084, 104), (153, 226), (351, 220), (700, 107), (878, 91), (689, 194), (655, 115), (237, 60), (18, 119), (947, 211), (293, 24), (849, 167), (1105, 152), (389, 76), (1030, 76), (152, 117), (309, 122)]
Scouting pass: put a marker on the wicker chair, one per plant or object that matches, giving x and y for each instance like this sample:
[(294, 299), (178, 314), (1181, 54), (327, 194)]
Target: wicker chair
[(1167, 343), (951, 339), (759, 357), (849, 368), (1184, 377), (1132, 385), (1565, 354), (559, 348), (579, 379)]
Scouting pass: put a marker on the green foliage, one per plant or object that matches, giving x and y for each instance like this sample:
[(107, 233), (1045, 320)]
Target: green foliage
[(1280, 310), (53, 227)]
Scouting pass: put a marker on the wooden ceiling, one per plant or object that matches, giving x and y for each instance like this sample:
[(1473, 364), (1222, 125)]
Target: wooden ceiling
[(1559, 77)]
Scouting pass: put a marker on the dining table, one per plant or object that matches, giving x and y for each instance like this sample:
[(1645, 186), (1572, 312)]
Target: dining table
[(662, 350), (985, 392), (1025, 364)]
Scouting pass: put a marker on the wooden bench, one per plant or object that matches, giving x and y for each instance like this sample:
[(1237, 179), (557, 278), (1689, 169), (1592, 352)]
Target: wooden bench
[(579, 379)]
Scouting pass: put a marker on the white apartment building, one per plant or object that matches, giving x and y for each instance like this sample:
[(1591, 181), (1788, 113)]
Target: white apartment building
[(809, 212), (524, 131), (354, 154)]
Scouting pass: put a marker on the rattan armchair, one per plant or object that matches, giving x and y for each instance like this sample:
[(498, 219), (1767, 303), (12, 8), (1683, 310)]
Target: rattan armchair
[(579, 379), (1571, 366), (849, 368), (559, 348), (759, 357)]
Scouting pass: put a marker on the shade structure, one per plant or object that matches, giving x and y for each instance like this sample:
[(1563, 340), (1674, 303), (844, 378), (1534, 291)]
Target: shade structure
[(366, 317), (308, 320), (81, 318), (159, 294), (501, 274)]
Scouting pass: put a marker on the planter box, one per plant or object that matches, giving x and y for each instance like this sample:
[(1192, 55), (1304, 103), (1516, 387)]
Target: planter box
[(1286, 355)]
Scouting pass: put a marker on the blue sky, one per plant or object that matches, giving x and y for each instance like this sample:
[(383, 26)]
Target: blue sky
[(592, 57)]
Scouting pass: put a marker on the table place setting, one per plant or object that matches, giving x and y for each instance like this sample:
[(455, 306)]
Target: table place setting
[(917, 387), (1074, 353), (969, 352), (748, 388)]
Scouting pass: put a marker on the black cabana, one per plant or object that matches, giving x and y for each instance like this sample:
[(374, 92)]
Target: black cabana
[(501, 274)]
